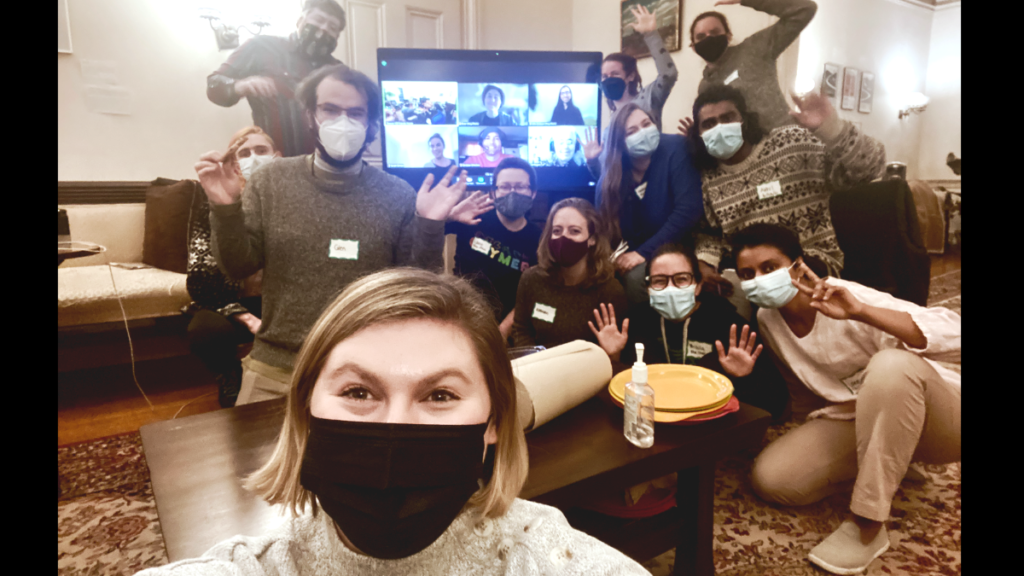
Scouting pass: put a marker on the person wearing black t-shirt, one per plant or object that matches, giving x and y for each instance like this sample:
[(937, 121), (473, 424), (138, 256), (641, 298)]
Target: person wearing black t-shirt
[(495, 253)]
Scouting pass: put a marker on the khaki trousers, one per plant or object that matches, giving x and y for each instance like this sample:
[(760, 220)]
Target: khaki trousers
[(262, 382), (905, 412)]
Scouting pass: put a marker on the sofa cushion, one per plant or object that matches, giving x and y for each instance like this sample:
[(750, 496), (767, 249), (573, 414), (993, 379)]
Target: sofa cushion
[(85, 294), (117, 227), (167, 213)]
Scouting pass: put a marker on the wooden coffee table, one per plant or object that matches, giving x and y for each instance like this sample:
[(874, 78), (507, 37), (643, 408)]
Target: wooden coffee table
[(197, 463)]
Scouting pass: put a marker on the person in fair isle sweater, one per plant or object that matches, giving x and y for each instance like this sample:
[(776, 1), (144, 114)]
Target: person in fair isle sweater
[(782, 177)]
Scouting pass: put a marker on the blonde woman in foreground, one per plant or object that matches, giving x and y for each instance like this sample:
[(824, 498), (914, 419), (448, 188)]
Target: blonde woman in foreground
[(400, 394)]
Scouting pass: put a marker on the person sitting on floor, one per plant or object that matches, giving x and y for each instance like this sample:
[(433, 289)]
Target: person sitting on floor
[(881, 399), (401, 452), (226, 313), (573, 276), (685, 325)]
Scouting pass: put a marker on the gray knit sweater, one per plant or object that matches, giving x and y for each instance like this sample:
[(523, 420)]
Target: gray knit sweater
[(530, 539), (750, 65), (313, 233)]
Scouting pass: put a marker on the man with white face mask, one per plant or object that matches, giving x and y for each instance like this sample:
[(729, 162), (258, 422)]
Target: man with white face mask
[(782, 177), (317, 222)]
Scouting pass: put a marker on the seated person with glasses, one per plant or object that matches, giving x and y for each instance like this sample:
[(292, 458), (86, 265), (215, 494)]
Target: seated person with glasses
[(494, 252), (685, 325)]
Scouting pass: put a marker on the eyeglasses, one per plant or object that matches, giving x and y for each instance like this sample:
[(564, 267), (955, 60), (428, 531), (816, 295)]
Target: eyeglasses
[(660, 281), (518, 188)]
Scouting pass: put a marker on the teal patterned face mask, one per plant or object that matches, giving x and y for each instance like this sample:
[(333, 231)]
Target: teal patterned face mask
[(773, 290)]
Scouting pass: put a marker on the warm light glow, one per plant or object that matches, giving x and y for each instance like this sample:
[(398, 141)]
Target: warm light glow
[(899, 76), (916, 100), (803, 85)]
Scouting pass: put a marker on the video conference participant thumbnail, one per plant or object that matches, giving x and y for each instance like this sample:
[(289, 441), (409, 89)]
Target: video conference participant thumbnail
[(494, 104), (411, 146), (420, 102), (486, 146), (565, 105), (559, 146)]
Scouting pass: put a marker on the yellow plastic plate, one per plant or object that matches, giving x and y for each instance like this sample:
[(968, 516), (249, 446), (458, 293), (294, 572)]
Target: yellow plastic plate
[(660, 416), (679, 388)]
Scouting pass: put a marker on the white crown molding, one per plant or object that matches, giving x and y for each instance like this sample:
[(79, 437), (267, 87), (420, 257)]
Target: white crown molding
[(470, 24), (929, 5)]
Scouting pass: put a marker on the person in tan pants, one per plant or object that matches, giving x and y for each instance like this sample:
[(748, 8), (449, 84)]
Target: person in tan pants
[(867, 362)]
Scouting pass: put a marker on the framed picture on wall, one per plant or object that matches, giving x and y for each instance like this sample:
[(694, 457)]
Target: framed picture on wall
[(669, 15), (63, 28), (830, 81), (867, 93), (851, 89)]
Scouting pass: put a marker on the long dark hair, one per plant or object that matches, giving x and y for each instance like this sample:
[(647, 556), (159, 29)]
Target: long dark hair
[(628, 67), (618, 174), (752, 130), (568, 105)]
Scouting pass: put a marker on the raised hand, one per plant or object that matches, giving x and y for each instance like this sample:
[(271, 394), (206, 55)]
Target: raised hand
[(685, 125), (469, 210), (591, 147), (739, 360), (645, 20), (607, 332), (218, 175), (437, 202), (260, 86), (831, 300), (812, 110)]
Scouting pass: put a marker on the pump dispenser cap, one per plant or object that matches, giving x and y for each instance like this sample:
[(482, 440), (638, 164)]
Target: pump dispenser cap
[(639, 368)]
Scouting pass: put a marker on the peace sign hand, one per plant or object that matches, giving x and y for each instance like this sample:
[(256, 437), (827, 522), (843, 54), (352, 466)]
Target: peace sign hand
[(831, 300), (437, 202), (739, 360), (645, 20), (608, 335), (591, 147)]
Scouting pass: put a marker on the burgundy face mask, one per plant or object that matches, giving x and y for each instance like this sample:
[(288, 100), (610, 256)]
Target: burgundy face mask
[(566, 251)]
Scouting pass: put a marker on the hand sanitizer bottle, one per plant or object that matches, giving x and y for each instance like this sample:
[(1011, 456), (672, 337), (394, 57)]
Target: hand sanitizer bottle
[(638, 425)]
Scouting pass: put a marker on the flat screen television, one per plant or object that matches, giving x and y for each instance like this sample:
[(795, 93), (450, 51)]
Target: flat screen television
[(476, 107)]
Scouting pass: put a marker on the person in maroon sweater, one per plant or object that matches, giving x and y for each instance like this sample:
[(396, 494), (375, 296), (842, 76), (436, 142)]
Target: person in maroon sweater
[(266, 70)]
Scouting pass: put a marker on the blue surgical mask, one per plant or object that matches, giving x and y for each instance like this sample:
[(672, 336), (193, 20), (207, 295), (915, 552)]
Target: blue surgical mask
[(674, 303), (773, 290), (724, 140), (643, 142)]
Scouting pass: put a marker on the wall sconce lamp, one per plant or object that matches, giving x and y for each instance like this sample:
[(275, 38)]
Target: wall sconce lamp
[(915, 104), (226, 34)]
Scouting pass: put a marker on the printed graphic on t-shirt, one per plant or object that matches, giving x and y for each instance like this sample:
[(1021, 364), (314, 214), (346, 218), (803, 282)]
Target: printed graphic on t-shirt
[(502, 254)]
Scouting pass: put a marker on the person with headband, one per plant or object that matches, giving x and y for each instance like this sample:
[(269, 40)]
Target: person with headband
[(621, 84), (750, 65), (493, 99), (649, 194), (491, 144), (316, 223), (266, 69), (864, 371), (494, 252), (785, 176), (439, 160), (401, 452), (573, 276), (225, 313)]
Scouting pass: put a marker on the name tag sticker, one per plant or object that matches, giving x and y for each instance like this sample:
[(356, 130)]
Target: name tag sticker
[(698, 350), (544, 312), (854, 381), (732, 77), (769, 190), (344, 249), (480, 245)]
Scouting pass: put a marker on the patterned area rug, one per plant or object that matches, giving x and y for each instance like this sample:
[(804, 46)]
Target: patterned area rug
[(107, 522)]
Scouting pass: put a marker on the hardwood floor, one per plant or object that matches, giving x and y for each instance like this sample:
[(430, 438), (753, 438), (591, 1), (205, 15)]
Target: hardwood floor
[(104, 402)]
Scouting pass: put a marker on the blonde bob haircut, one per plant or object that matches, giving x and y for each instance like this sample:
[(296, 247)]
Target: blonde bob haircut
[(599, 257), (395, 295)]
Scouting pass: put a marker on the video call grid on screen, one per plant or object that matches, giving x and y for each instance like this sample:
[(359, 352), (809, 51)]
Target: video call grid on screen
[(476, 107)]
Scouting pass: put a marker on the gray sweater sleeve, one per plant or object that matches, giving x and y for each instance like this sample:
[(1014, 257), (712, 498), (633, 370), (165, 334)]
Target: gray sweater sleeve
[(422, 244), (851, 156), (237, 233), (794, 16), (660, 87)]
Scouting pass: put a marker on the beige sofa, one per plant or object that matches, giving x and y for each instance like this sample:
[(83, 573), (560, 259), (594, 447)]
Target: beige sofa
[(85, 292)]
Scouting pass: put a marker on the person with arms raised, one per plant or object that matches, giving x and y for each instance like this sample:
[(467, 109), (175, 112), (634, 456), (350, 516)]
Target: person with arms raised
[(864, 372), (266, 69), (316, 223)]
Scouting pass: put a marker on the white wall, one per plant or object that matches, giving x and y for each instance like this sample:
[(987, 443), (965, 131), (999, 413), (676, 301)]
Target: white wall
[(526, 24), (940, 130)]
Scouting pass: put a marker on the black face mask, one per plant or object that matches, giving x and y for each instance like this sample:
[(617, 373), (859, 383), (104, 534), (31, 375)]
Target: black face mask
[(513, 205), (613, 88), (316, 43), (712, 47), (393, 489)]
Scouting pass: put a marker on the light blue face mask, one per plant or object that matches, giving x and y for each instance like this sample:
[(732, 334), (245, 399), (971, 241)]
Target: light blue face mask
[(724, 140), (643, 142), (773, 290), (674, 303)]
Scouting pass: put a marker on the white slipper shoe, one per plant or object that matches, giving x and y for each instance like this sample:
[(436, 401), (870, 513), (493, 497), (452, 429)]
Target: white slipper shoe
[(843, 553)]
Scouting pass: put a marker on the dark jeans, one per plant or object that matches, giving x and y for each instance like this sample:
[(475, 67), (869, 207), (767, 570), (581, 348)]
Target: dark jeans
[(215, 338)]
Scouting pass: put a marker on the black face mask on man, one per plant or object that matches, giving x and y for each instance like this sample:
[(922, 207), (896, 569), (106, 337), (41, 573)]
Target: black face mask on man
[(712, 47), (392, 489), (316, 43), (613, 87)]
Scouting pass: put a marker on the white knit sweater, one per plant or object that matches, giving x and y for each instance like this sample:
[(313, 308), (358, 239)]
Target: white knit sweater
[(529, 539)]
